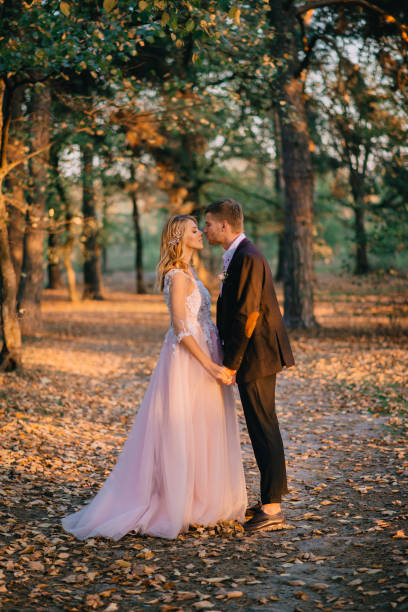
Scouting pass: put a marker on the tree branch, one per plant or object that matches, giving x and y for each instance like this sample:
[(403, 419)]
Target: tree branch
[(11, 202), (306, 60), (364, 3), (322, 3), (308, 54), (6, 169)]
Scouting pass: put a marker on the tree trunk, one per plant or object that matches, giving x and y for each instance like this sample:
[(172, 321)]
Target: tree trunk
[(67, 253), (280, 268), (32, 277), (54, 264), (10, 356), (16, 227), (280, 191), (361, 264), (357, 180), (297, 175), (15, 182), (299, 183), (105, 223), (93, 286), (140, 284), (54, 203), (68, 244), (105, 261)]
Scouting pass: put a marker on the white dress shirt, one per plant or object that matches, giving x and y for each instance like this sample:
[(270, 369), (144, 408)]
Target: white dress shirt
[(229, 253)]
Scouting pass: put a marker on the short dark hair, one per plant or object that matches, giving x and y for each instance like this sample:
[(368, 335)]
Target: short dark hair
[(229, 210)]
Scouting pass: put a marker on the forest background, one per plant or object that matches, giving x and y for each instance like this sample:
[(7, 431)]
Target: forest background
[(117, 114)]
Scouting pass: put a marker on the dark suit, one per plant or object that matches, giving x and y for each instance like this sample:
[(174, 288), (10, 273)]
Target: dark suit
[(257, 346)]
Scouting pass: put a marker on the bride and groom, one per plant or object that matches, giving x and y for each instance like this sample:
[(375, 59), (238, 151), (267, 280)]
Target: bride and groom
[(181, 463)]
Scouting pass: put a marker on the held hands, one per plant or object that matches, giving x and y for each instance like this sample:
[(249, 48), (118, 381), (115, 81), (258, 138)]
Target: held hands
[(230, 376), (221, 373)]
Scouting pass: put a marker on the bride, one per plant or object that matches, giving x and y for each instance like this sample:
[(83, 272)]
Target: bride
[(181, 463)]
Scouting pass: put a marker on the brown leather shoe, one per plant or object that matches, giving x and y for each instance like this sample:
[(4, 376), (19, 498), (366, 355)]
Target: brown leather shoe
[(265, 522), (252, 510)]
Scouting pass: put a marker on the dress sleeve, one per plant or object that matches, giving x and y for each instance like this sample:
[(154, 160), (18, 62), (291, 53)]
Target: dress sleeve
[(179, 289)]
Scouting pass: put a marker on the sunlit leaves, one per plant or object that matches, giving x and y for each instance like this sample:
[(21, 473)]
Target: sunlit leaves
[(109, 5), (189, 25), (235, 14), (65, 8), (165, 18)]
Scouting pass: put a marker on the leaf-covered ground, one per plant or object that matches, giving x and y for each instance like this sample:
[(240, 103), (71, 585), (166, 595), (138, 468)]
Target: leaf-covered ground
[(343, 414)]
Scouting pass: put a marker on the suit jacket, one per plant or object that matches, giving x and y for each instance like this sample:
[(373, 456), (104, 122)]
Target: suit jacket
[(249, 320)]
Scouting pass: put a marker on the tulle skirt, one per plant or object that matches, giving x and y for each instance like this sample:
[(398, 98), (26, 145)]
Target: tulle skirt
[(181, 463)]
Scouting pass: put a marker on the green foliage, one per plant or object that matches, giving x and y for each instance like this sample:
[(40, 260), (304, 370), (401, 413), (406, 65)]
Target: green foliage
[(209, 77)]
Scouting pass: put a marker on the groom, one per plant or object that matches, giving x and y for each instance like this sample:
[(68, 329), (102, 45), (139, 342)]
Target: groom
[(256, 347)]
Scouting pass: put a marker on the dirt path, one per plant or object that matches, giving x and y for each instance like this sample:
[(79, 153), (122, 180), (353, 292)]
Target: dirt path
[(64, 421)]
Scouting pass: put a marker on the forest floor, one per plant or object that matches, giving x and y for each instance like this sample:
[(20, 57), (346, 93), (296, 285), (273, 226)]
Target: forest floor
[(343, 413)]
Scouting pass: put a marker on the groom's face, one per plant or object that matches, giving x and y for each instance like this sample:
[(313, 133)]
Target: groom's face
[(214, 229)]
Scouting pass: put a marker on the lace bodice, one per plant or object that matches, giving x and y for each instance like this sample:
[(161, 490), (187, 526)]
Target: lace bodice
[(189, 305)]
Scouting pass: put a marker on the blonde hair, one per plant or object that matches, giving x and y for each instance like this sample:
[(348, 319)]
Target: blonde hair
[(171, 248)]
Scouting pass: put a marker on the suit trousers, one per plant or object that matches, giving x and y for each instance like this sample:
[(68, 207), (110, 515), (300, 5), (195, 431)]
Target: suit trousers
[(258, 401)]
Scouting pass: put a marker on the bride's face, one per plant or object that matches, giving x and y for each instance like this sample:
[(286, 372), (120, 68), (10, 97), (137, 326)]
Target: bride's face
[(193, 237)]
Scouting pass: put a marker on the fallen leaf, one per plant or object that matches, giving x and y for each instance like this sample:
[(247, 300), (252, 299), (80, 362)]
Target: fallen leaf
[(234, 594), (123, 563), (319, 586), (37, 566)]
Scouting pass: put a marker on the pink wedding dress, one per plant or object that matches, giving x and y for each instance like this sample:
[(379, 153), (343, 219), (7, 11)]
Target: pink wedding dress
[(181, 463)]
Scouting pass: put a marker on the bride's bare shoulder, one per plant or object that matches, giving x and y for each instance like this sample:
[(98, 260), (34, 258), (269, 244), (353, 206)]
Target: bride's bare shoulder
[(181, 275), (178, 272)]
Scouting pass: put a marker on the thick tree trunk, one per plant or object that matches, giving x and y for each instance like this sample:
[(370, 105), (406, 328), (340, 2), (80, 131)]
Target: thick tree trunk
[(16, 227), (299, 183), (296, 167), (297, 173), (32, 277), (10, 356), (140, 284), (93, 286), (16, 180)]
